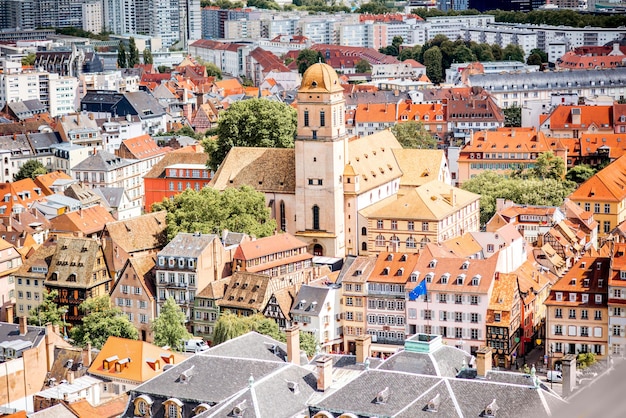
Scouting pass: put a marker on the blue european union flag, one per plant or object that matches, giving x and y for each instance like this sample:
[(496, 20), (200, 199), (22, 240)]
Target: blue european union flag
[(419, 290)]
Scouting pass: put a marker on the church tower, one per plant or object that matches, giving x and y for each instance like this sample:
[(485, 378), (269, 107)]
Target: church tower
[(321, 151)]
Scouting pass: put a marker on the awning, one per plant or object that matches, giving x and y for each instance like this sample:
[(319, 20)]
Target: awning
[(385, 348)]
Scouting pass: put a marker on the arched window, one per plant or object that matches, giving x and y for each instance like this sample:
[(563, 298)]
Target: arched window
[(364, 246), (318, 250), (316, 217), (395, 242), (364, 231), (283, 216), (380, 241)]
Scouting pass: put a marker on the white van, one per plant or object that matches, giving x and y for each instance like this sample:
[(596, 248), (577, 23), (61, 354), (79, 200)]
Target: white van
[(195, 346), (554, 376)]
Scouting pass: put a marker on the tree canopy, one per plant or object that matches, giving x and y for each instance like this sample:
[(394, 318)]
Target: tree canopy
[(252, 123), (29, 59), (530, 191), (363, 66), (580, 173), (548, 166), (169, 327), (512, 116), (308, 57), (48, 311), (121, 56), (513, 53), (394, 48), (412, 134), (133, 53), (100, 322), (229, 326), (147, 57), (212, 70), (433, 60), (30, 169), (210, 211)]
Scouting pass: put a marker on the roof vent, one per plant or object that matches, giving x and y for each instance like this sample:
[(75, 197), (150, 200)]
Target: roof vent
[(293, 387), (433, 404), (491, 409), (186, 375), (239, 409), (382, 396)]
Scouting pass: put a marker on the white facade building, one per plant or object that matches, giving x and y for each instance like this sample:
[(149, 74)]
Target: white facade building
[(93, 16)]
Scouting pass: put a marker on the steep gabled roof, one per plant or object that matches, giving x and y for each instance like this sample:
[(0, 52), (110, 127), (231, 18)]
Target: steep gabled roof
[(609, 184), (140, 148), (268, 245), (87, 221)]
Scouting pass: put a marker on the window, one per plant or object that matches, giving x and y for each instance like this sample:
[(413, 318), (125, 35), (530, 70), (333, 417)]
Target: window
[(424, 226), (322, 118), (572, 314), (306, 118), (474, 299), (596, 208), (598, 315), (428, 314), (394, 224), (349, 301), (607, 208), (380, 241), (489, 248), (316, 217), (607, 226), (584, 314), (379, 224), (474, 317), (572, 297), (598, 299), (559, 296), (617, 331), (458, 299), (410, 226), (497, 317), (558, 313), (458, 317), (475, 334), (558, 330), (443, 298), (584, 331), (587, 207)]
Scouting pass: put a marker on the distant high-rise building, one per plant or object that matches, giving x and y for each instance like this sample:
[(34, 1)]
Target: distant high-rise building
[(512, 5)]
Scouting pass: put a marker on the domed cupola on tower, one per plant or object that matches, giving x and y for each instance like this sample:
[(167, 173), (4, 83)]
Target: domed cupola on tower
[(321, 104)]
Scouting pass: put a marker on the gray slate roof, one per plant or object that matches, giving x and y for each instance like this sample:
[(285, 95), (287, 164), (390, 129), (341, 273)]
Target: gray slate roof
[(102, 161), (145, 104), (187, 245), (111, 195), (250, 346), (313, 297), (11, 332)]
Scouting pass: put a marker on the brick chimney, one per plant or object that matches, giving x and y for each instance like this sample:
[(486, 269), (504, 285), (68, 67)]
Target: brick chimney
[(70, 377), (483, 361), (324, 373), (87, 355), (293, 345), (23, 325), (363, 348)]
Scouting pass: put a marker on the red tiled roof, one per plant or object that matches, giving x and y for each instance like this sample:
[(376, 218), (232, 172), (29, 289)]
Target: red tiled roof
[(268, 245), (86, 221), (609, 184), (268, 61), (562, 117)]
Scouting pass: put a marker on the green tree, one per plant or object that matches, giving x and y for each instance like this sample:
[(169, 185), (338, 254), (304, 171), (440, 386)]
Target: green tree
[(585, 360), (463, 54), (580, 173), (534, 59), (541, 53), (308, 57), (147, 57), (394, 48), (433, 62), (497, 52), (210, 211), (548, 166), (133, 53), (230, 326), (48, 311), (363, 66), (29, 59), (482, 52), (30, 169), (212, 70), (512, 116), (491, 185), (513, 53), (102, 321), (163, 69), (252, 123), (169, 327), (121, 56), (412, 134), (375, 7)]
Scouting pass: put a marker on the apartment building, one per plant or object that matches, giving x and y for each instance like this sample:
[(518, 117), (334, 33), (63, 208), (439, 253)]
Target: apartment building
[(186, 265), (207, 310), (617, 301), (577, 319), (459, 293), (525, 39), (430, 213), (30, 280)]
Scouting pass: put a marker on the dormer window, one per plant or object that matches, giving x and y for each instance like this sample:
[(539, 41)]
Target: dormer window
[(465, 265), (181, 263), (476, 280), (429, 278), (400, 272), (171, 262), (559, 296), (572, 297), (161, 261), (459, 279), (432, 264), (192, 263), (444, 278), (173, 408), (572, 282), (491, 410), (385, 271), (143, 403), (389, 257), (414, 276)]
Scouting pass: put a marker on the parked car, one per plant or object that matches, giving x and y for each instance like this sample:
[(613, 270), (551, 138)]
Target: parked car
[(554, 376), (195, 346)]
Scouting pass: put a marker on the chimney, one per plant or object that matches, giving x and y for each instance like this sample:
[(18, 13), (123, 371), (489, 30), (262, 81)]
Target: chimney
[(568, 367), (363, 348), (87, 355), (91, 116), (78, 119), (483, 361), (23, 325), (324, 373), (293, 345), (70, 377)]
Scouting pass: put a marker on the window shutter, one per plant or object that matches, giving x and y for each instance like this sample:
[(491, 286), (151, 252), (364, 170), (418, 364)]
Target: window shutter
[(479, 317), (441, 315), (422, 313), (552, 347), (480, 334), (602, 350)]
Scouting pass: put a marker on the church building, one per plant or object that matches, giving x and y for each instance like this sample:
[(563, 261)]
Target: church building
[(318, 190)]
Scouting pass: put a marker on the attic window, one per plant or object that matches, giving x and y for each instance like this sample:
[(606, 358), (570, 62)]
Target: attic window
[(432, 264), (382, 396), (357, 273), (476, 280), (465, 265), (385, 271), (460, 278), (293, 387), (400, 272), (403, 258), (444, 278), (389, 257), (239, 409)]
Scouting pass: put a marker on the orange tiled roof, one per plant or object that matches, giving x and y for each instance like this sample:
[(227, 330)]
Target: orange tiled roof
[(268, 245), (583, 277), (230, 86), (110, 409), (143, 358), (45, 181), (399, 112), (393, 267), (563, 117), (509, 140), (142, 147), (87, 221), (609, 184)]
